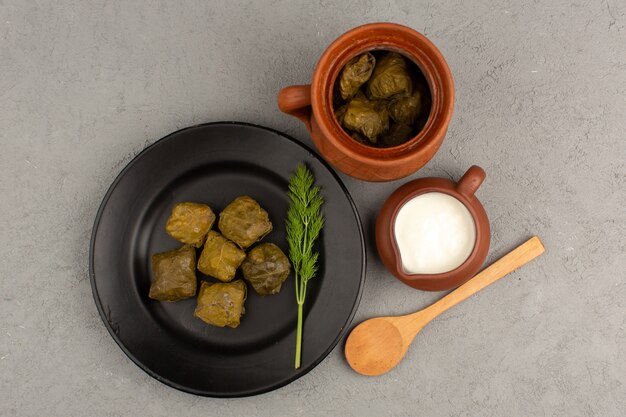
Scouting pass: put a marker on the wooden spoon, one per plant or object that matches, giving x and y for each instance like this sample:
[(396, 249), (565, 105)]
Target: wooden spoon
[(379, 344)]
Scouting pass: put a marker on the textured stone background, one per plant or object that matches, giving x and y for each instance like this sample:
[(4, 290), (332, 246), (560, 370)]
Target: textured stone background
[(541, 105)]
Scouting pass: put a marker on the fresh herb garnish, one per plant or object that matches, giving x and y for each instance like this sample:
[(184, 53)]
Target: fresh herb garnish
[(304, 223)]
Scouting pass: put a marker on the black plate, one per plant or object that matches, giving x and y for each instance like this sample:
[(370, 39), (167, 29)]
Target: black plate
[(213, 164)]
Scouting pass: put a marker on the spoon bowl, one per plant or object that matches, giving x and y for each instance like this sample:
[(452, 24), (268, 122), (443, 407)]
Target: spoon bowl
[(367, 339)]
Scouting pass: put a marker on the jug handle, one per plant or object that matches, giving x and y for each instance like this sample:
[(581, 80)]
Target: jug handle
[(295, 100), (470, 181)]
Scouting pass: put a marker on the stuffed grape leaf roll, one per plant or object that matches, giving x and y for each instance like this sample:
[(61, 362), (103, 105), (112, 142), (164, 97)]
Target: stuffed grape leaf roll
[(356, 73), (369, 118), (190, 222), (406, 110), (244, 221), (174, 274), (266, 267), (220, 257), (391, 78), (221, 304)]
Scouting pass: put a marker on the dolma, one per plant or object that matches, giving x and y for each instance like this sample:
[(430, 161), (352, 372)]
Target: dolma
[(221, 304), (190, 222), (397, 135), (356, 73), (220, 257), (244, 221), (174, 274), (405, 110), (340, 113), (266, 268), (369, 118), (390, 78)]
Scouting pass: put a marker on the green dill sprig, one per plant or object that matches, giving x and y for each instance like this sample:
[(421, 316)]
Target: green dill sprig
[(304, 223)]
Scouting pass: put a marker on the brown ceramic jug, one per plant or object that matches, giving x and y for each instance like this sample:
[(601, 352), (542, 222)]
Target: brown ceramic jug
[(313, 104), (464, 192)]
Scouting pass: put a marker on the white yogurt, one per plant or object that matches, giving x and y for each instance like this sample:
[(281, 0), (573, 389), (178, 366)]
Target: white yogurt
[(435, 233)]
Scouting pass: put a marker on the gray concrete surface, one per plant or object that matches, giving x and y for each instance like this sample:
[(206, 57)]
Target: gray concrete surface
[(541, 105)]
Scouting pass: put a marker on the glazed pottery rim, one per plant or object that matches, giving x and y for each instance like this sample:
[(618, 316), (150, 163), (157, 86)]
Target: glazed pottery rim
[(380, 36), (448, 187)]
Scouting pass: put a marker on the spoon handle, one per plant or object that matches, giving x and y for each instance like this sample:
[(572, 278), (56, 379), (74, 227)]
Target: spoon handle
[(508, 263)]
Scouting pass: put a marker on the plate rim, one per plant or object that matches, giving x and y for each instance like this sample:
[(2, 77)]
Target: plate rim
[(251, 392)]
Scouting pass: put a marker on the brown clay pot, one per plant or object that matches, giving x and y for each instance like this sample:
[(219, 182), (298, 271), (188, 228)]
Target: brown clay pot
[(464, 191), (313, 104)]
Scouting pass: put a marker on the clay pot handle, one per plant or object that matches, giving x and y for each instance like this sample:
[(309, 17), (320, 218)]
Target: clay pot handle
[(295, 100), (470, 181)]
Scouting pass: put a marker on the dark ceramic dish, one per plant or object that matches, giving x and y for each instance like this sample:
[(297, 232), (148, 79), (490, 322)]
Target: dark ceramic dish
[(463, 191), (213, 164)]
